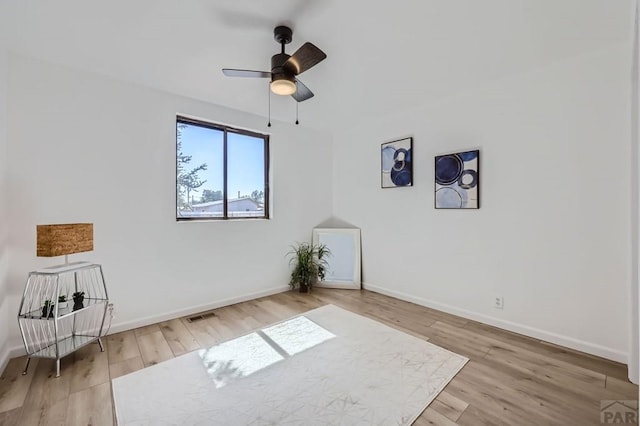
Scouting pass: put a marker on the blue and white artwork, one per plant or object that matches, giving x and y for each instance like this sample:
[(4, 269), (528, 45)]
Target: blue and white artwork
[(396, 163), (457, 180)]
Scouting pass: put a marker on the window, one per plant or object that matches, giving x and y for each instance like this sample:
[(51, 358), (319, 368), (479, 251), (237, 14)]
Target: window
[(221, 172)]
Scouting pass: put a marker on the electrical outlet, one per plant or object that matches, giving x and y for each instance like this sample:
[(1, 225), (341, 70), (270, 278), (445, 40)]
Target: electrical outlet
[(498, 302)]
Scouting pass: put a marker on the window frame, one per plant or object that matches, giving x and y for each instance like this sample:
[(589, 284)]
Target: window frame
[(181, 119)]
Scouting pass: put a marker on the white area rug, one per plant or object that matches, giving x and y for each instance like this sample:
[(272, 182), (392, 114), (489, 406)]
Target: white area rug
[(328, 366)]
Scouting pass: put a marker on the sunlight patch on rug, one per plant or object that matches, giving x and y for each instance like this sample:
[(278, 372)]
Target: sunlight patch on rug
[(327, 366)]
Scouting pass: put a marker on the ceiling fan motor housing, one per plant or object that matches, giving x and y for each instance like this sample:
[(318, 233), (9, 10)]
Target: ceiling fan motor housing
[(277, 71)]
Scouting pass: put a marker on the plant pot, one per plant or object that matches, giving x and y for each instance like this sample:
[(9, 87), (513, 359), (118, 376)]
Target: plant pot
[(304, 288), (78, 303), (47, 311), (63, 305)]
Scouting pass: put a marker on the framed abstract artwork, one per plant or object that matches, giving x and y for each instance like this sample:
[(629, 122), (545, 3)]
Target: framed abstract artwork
[(396, 164), (458, 180)]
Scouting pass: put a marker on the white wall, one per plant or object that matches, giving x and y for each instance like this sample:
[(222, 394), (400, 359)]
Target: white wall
[(5, 317), (88, 148), (553, 233)]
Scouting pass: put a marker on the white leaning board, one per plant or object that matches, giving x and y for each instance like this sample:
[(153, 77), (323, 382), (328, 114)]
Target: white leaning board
[(344, 269)]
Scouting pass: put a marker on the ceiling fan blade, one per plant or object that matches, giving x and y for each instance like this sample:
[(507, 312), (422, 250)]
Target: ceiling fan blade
[(307, 56), (230, 72), (302, 93)]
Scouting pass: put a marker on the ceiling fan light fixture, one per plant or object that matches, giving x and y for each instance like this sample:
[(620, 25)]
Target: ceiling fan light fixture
[(283, 86)]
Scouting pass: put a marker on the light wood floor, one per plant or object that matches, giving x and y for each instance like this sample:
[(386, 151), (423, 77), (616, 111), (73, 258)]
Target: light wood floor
[(509, 380)]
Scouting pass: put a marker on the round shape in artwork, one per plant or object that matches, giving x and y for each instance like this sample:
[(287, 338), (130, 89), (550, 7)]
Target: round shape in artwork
[(401, 173), (401, 154), (469, 155), (468, 179), (388, 154), (448, 198), (448, 169)]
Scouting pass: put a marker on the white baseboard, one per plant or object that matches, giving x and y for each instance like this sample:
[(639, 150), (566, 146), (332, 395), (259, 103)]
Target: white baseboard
[(165, 316), (4, 359), (8, 354), (566, 341)]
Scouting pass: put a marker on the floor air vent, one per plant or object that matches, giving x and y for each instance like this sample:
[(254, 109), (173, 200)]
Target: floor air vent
[(200, 317)]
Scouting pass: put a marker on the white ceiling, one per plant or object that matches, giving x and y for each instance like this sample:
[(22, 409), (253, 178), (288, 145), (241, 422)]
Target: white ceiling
[(382, 56)]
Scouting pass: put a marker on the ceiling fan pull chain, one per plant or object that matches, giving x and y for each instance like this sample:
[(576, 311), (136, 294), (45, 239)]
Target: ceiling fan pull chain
[(297, 103), (269, 123)]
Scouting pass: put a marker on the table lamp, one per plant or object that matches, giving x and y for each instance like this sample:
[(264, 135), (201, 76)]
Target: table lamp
[(63, 239)]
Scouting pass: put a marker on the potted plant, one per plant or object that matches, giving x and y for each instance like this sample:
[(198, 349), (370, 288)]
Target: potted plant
[(62, 301), (78, 299), (309, 264), (47, 309)]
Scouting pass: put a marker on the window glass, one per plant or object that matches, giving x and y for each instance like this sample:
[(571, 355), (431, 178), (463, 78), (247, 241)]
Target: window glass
[(245, 175)]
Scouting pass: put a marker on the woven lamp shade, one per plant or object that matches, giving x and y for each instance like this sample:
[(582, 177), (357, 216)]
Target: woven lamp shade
[(58, 240)]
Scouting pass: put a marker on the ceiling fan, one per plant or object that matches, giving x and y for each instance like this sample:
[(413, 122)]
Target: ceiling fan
[(285, 68)]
